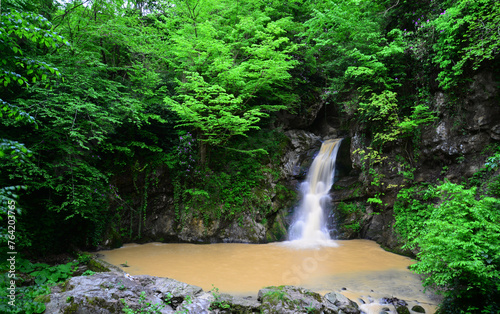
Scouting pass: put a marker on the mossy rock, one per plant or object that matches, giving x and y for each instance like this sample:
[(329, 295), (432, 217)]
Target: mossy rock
[(418, 309), (290, 299), (66, 286), (72, 308), (278, 231), (45, 298), (97, 266), (402, 310)]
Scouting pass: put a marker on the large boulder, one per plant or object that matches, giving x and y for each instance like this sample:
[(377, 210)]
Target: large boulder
[(115, 292), (342, 303), (112, 292), (291, 299)]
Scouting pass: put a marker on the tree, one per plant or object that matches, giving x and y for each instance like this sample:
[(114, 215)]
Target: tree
[(467, 36), (103, 108), (20, 33), (224, 63)]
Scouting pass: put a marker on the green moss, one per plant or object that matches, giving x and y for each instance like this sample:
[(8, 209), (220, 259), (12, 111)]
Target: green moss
[(100, 303), (106, 285), (277, 232), (96, 266), (66, 286), (315, 295), (72, 308), (45, 298)]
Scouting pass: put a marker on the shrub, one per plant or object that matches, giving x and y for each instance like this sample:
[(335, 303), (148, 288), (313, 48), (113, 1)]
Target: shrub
[(459, 242)]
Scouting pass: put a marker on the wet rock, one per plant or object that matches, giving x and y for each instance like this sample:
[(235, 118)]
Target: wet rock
[(245, 231), (402, 309), (342, 302), (418, 309), (290, 299), (394, 301), (226, 303), (113, 292), (495, 132), (116, 292), (399, 304), (299, 156)]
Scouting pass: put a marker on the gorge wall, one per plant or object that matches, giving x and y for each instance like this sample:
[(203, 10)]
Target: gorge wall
[(451, 148)]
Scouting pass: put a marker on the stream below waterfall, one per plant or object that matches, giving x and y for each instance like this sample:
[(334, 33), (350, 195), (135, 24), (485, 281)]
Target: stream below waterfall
[(359, 269)]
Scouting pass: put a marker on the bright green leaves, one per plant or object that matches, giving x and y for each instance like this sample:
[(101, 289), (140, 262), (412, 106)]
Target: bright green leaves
[(212, 111), (347, 40), (225, 69), (20, 33), (14, 151), (467, 36), (111, 94), (381, 114), (459, 239)]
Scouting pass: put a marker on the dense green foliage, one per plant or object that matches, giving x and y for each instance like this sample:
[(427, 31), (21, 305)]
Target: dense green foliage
[(456, 229), (34, 281), (97, 91), (223, 63)]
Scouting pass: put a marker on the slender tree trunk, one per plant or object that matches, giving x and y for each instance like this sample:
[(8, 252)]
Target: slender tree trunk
[(203, 154)]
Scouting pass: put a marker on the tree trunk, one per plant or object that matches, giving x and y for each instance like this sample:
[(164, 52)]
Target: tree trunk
[(203, 154)]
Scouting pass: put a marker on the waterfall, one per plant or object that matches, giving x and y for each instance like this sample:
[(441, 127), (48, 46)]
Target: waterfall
[(309, 227)]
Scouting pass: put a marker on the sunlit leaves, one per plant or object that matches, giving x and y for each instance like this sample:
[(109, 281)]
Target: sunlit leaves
[(211, 110), (347, 41), (467, 36), (224, 67)]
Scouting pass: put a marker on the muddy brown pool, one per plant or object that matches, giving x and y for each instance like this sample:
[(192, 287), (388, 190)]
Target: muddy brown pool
[(360, 269)]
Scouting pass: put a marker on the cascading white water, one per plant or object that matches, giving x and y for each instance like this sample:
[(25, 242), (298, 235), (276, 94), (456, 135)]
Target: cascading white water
[(309, 227)]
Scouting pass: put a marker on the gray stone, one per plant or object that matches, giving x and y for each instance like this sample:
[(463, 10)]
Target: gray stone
[(290, 299), (246, 231), (342, 302), (235, 304), (299, 155), (495, 132), (111, 292)]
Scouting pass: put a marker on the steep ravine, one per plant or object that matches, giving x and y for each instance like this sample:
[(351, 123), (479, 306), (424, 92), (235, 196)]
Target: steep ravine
[(451, 148)]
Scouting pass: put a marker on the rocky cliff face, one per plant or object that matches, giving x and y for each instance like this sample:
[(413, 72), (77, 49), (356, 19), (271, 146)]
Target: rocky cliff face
[(451, 148)]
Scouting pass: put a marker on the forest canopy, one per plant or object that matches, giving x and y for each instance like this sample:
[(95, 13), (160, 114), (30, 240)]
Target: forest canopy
[(95, 90)]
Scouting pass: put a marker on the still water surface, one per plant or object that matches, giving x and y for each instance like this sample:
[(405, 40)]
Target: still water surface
[(359, 269)]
